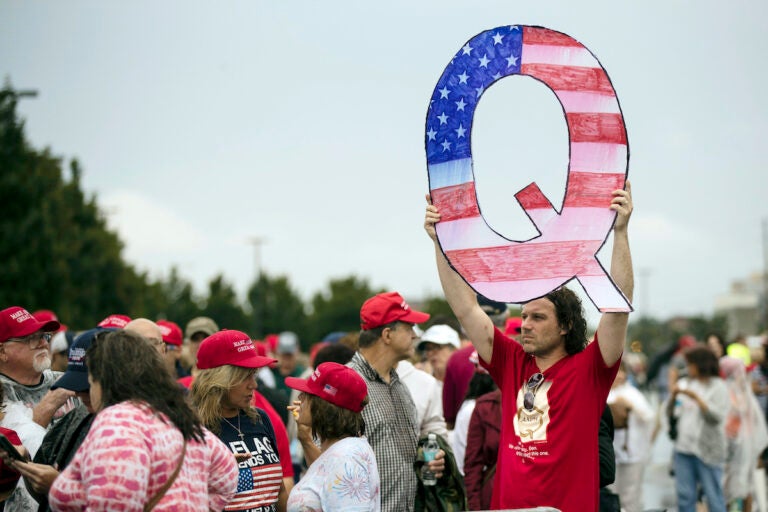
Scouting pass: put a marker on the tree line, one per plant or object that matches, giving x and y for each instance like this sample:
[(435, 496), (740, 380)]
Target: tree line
[(58, 253)]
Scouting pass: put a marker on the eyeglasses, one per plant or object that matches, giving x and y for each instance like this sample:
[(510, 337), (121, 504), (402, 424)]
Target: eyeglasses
[(530, 390), (34, 341), (155, 342)]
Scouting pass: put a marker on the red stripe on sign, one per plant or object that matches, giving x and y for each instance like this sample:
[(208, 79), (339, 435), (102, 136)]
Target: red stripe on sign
[(570, 78), (591, 127), (528, 260), (540, 35), (456, 202), (532, 198), (592, 189)]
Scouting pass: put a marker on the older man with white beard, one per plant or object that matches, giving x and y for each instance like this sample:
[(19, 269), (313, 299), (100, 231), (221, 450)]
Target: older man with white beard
[(30, 404)]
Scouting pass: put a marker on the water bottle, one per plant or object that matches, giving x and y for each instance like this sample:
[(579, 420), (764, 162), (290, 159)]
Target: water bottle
[(430, 450)]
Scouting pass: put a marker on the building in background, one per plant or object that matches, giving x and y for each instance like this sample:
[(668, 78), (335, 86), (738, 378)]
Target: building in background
[(744, 306)]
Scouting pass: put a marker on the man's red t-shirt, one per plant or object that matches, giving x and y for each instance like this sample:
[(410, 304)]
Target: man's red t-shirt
[(549, 456)]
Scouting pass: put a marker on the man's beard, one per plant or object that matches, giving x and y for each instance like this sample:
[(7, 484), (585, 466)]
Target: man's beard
[(40, 364)]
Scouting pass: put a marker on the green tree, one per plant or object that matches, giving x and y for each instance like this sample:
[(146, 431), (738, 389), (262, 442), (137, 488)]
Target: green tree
[(437, 306), (276, 307), (338, 307), (701, 326), (181, 304), (56, 249), (223, 306), (655, 335)]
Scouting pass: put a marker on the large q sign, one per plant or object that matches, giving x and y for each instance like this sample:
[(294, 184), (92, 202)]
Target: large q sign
[(568, 241)]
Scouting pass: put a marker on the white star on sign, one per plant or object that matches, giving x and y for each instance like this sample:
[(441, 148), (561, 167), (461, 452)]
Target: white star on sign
[(460, 131), (497, 38), (431, 134), (511, 60), (446, 145), (444, 92), (463, 77), (496, 76), (443, 118), (460, 104), (479, 90), (513, 27), (484, 60), (467, 49)]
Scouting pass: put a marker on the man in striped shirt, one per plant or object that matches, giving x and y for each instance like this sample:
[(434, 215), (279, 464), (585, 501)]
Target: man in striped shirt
[(387, 337)]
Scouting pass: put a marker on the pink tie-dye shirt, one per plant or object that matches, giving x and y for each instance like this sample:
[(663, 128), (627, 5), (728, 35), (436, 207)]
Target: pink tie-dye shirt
[(129, 454)]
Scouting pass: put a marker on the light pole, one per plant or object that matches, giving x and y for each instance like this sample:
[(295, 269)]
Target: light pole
[(645, 274), (257, 242), (25, 93), (765, 274)]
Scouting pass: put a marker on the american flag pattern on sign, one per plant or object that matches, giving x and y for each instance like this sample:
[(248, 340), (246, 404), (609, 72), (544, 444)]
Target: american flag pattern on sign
[(518, 271)]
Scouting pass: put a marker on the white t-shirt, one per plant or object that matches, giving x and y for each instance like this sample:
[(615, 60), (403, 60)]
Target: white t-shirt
[(460, 430), (344, 477), (633, 444), (427, 394)]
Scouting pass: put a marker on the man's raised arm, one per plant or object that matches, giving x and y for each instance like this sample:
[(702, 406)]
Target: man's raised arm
[(460, 296), (612, 329)]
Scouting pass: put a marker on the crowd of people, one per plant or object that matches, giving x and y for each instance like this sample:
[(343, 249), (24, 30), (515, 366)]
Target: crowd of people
[(527, 411)]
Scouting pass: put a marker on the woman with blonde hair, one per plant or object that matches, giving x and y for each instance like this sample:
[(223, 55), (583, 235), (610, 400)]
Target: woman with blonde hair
[(146, 448), (222, 392)]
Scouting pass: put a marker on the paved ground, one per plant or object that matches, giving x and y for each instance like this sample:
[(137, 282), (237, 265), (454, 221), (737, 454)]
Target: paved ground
[(658, 486)]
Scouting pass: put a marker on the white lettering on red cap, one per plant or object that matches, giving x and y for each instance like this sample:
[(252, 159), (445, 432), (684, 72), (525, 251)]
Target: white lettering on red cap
[(21, 316), (405, 306)]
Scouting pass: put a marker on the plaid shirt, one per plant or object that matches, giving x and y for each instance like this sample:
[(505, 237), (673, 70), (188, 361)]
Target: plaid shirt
[(392, 431)]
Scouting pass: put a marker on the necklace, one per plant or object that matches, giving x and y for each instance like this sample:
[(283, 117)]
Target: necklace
[(239, 432)]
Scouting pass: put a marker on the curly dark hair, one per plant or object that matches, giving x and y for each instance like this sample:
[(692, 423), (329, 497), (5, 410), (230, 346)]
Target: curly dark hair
[(128, 368), (703, 359), (570, 316), (333, 422)]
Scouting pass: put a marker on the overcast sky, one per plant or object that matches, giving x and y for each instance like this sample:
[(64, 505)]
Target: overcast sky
[(201, 125)]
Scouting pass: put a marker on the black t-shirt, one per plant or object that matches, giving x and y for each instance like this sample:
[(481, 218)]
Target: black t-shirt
[(261, 475)]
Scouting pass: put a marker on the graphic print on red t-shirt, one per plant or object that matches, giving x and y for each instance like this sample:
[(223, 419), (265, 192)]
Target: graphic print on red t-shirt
[(532, 425)]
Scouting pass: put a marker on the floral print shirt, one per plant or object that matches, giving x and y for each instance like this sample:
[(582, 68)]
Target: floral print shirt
[(344, 477)]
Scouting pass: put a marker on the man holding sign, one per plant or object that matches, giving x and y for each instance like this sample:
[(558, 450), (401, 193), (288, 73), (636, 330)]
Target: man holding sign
[(554, 384)]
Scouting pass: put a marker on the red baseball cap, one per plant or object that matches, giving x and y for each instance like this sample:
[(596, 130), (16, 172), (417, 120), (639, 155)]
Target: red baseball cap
[(115, 322), (171, 332), (261, 348), (514, 326), (386, 308), (234, 348), (17, 322), (46, 315), (271, 341), (334, 383)]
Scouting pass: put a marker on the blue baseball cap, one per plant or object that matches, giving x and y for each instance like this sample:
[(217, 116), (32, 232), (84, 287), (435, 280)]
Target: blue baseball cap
[(76, 377)]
